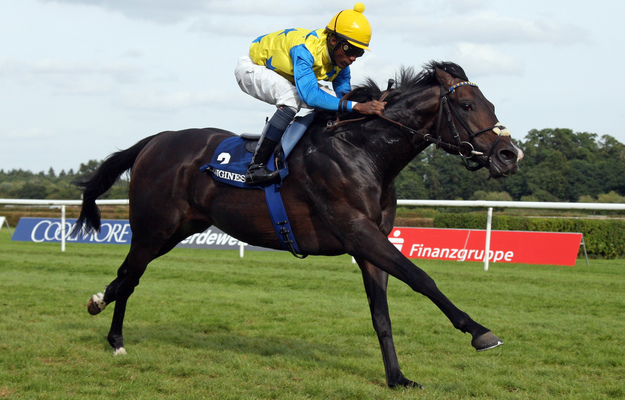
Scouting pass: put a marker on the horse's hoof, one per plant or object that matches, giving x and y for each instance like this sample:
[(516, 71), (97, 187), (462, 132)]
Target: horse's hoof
[(414, 384), (404, 382), (119, 352), (96, 304), (486, 341)]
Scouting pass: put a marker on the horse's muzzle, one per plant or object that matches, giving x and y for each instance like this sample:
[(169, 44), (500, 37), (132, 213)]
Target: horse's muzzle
[(505, 161)]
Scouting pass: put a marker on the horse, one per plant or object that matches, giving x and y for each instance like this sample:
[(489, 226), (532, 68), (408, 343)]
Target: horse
[(339, 194)]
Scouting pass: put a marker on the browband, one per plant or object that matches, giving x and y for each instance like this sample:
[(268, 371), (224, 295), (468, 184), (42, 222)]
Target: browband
[(457, 85)]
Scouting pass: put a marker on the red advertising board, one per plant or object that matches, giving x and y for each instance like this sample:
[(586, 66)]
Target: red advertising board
[(505, 246)]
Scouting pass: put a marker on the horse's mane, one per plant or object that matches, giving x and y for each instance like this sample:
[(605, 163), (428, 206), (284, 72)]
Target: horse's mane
[(408, 80)]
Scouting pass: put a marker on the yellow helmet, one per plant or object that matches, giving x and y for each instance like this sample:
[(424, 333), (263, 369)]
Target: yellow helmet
[(352, 26)]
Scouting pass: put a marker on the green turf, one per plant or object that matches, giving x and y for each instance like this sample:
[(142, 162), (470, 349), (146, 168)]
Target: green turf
[(210, 325)]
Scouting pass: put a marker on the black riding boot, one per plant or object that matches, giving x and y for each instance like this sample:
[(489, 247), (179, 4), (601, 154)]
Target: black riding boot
[(257, 172)]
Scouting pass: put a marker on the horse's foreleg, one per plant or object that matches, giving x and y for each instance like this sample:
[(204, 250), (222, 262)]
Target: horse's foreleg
[(376, 281), (374, 246)]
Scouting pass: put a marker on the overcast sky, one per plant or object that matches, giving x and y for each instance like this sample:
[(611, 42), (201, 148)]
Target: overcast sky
[(80, 79)]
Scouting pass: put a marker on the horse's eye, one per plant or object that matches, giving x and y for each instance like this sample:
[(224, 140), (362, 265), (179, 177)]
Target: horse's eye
[(466, 106)]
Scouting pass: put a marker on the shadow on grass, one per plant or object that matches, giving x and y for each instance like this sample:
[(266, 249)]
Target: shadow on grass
[(219, 342)]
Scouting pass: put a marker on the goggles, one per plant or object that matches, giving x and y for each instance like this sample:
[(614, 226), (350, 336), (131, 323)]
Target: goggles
[(351, 50)]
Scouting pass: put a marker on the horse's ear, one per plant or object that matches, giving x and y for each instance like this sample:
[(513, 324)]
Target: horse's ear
[(444, 78)]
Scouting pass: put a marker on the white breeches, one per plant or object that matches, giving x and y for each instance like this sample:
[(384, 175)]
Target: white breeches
[(264, 84)]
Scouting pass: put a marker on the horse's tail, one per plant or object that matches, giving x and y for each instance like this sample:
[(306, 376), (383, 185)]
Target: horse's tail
[(101, 180)]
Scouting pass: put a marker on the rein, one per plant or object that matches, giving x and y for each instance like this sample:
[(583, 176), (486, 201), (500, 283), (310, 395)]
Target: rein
[(463, 148)]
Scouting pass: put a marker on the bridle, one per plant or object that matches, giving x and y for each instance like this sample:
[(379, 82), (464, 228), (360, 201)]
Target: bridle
[(465, 149)]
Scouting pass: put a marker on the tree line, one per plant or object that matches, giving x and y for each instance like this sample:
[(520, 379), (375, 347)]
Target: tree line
[(21, 184), (559, 165)]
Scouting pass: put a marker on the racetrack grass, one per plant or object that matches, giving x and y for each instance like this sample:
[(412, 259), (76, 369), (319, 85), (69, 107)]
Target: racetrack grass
[(209, 325)]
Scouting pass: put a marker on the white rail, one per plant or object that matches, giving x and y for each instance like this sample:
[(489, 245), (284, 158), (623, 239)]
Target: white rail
[(513, 204), (58, 202), (416, 203), (412, 203)]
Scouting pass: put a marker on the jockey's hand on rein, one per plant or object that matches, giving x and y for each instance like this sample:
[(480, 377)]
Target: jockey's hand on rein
[(370, 108)]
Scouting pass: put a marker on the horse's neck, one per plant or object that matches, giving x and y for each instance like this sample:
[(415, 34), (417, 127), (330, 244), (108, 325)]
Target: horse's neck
[(379, 146), (392, 146)]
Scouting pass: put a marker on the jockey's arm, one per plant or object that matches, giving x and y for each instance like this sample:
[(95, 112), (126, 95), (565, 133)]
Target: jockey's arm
[(309, 91), (307, 85), (342, 83)]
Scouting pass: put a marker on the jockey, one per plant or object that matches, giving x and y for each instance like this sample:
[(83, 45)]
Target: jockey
[(284, 69)]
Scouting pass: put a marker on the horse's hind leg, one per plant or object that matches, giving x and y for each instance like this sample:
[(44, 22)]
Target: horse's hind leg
[(129, 273), (136, 262), (118, 291), (98, 302)]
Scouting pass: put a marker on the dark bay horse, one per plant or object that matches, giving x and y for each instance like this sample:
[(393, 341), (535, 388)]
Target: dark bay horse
[(339, 195)]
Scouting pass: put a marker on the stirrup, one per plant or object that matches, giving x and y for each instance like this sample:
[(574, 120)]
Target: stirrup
[(259, 173)]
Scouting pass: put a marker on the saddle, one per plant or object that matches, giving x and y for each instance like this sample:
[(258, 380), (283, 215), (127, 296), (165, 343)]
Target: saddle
[(232, 157)]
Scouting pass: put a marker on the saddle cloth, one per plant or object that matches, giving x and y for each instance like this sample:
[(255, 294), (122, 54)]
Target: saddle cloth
[(229, 164), (231, 158), (230, 161)]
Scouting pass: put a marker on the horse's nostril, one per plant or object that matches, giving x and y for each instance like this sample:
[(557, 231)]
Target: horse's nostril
[(507, 155)]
